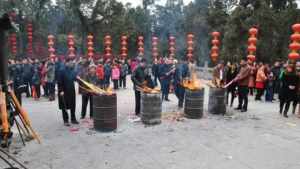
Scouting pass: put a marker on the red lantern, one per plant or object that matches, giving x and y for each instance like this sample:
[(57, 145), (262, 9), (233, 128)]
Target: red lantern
[(295, 45), (155, 53), (71, 44), (296, 27), (30, 38), (90, 44), (51, 46), (172, 46), (13, 43), (215, 46), (252, 40), (141, 45), (107, 48)]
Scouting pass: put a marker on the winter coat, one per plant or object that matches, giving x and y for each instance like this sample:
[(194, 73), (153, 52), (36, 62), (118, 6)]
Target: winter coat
[(115, 74), (124, 70), (50, 75), (243, 76), (66, 84), (36, 78), (100, 72), (138, 77), (286, 93)]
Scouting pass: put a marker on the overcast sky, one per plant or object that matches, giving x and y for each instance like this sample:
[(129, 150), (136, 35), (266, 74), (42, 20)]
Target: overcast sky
[(139, 2), (161, 2)]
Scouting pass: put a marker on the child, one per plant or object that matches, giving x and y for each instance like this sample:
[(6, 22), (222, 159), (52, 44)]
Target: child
[(115, 76), (269, 87)]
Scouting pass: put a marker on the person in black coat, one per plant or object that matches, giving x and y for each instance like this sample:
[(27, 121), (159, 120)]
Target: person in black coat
[(231, 74), (288, 91), (138, 78), (165, 74), (66, 89), (155, 71), (181, 72), (27, 76)]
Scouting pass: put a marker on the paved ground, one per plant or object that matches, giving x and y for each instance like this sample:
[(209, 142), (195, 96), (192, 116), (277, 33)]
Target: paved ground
[(259, 139)]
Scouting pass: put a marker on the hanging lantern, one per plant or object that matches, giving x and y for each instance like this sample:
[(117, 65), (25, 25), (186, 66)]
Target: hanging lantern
[(214, 54), (295, 45), (155, 52), (90, 44), (172, 46), (190, 46), (13, 43), (51, 46), (124, 49), (71, 44), (107, 48), (30, 39), (252, 44), (140, 44)]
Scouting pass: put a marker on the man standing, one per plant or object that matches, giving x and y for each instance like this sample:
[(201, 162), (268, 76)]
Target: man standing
[(166, 73), (219, 75), (50, 78), (66, 89), (138, 78), (181, 73), (124, 71), (243, 80), (27, 75), (155, 71)]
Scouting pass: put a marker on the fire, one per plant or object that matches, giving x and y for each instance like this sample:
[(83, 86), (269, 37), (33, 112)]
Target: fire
[(146, 89), (193, 83), (92, 88)]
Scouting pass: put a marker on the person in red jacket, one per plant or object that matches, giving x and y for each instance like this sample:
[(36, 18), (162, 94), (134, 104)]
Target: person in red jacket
[(100, 74)]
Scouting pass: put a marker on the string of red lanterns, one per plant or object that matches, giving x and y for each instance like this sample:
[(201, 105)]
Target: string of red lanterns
[(107, 44), (155, 52), (13, 43), (71, 44), (124, 49), (214, 54), (90, 46), (30, 39), (190, 46), (51, 46), (141, 49), (295, 45), (172, 46), (252, 44)]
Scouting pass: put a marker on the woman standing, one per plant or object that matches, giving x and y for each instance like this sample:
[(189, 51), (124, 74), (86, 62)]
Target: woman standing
[(260, 82), (230, 75), (288, 90), (115, 76)]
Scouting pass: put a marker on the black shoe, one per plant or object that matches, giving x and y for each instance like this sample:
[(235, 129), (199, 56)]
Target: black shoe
[(82, 117), (67, 124), (167, 100), (238, 108), (244, 110), (286, 116), (74, 122)]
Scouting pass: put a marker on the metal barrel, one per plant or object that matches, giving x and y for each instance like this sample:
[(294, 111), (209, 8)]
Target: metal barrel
[(151, 108), (193, 106), (216, 102), (105, 112)]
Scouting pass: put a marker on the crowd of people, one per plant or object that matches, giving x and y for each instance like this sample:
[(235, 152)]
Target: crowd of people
[(247, 78), (275, 82)]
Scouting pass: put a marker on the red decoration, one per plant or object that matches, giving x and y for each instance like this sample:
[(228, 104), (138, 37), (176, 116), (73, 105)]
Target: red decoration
[(190, 46), (30, 39), (90, 48), (172, 46), (141, 45), (295, 45), (51, 46), (252, 44), (124, 49), (214, 54), (71, 44), (107, 49), (155, 52), (13, 43)]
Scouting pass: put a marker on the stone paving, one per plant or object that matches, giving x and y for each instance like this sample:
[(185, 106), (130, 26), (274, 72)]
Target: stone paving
[(258, 139)]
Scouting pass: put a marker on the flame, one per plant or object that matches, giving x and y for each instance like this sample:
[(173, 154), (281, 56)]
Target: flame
[(146, 89), (193, 83), (93, 89)]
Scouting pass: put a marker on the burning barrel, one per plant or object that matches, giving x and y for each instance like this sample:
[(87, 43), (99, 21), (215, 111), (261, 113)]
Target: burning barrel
[(216, 102), (194, 100), (151, 108), (105, 112)]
